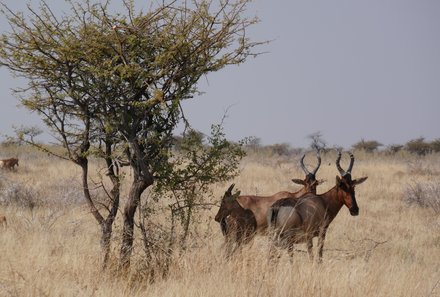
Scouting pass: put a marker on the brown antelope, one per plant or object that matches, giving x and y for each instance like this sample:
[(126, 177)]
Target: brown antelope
[(9, 163), (238, 225), (299, 220), (236, 210), (3, 222)]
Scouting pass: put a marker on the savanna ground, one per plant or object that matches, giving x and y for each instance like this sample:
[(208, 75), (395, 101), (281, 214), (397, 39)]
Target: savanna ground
[(51, 244)]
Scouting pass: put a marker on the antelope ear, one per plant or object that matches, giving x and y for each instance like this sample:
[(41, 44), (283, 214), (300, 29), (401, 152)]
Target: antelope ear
[(236, 195), (299, 181), (358, 181)]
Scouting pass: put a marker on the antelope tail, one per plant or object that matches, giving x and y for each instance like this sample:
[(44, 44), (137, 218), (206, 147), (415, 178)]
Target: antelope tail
[(272, 215)]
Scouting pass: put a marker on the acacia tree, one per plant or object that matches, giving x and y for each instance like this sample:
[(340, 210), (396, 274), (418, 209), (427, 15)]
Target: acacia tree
[(367, 145), (116, 81)]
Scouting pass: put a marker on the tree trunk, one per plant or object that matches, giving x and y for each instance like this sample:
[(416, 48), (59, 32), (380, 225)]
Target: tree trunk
[(106, 235), (137, 188), (107, 223)]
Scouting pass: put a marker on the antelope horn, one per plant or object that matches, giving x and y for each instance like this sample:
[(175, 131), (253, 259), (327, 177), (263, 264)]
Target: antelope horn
[(338, 159), (318, 155), (229, 191), (301, 162), (350, 167)]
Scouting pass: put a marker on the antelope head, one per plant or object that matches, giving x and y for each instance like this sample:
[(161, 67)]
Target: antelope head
[(346, 185), (310, 182), (228, 204)]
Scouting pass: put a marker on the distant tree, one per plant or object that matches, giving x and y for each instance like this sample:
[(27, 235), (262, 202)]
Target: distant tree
[(317, 141), (394, 148), (435, 145), (112, 84), (197, 136), (31, 132), (253, 143), (281, 149), (367, 145), (418, 146)]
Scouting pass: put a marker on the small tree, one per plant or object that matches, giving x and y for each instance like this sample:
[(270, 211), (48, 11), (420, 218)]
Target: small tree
[(418, 146), (317, 142), (367, 145), (435, 145), (280, 149), (112, 84), (394, 148), (253, 143)]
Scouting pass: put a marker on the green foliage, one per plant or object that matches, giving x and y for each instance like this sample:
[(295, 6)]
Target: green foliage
[(193, 169), (367, 145)]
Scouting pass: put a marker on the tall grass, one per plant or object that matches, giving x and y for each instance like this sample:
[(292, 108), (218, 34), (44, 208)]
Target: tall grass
[(390, 249)]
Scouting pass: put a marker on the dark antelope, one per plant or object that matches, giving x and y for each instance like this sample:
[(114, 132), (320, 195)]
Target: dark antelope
[(299, 220), (235, 210), (239, 225)]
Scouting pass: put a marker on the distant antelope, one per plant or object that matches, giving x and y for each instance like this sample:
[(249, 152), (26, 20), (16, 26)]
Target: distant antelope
[(9, 163), (3, 221), (235, 210), (299, 220)]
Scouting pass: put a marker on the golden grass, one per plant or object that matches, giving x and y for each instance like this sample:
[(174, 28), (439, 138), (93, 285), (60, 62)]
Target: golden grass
[(390, 249)]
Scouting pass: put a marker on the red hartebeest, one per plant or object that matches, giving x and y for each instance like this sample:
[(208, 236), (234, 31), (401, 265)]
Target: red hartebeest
[(238, 224), (299, 220), (236, 210), (9, 163), (3, 221)]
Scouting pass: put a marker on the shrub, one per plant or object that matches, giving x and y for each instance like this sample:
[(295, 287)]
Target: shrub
[(418, 146), (435, 145), (423, 194), (19, 195), (281, 149), (367, 145), (393, 149)]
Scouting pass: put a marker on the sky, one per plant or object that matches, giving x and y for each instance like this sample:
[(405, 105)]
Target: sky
[(349, 69)]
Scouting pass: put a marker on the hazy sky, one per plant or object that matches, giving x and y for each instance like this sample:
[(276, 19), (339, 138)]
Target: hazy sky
[(350, 69)]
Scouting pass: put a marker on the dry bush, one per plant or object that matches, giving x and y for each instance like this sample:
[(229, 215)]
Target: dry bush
[(423, 194), (18, 194), (422, 166)]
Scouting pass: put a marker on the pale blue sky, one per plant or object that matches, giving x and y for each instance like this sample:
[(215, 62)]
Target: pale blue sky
[(350, 69)]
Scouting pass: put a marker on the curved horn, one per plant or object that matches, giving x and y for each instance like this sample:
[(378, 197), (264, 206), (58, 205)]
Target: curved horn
[(229, 191), (318, 155), (301, 162), (350, 167), (338, 159)]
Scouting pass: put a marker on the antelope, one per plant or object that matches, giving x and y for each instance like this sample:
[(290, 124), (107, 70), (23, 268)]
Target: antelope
[(300, 220), (9, 163), (236, 210), (3, 221), (238, 225)]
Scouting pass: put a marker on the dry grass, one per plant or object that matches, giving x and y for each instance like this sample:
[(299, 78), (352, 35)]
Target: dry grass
[(390, 249)]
